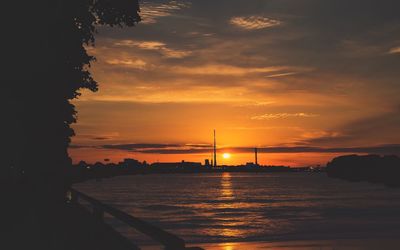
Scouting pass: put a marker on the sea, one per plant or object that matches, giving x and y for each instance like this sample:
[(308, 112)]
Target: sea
[(230, 211)]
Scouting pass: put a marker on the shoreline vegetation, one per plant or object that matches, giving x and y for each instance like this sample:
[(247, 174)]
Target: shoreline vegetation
[(84, 171), (371, 168)]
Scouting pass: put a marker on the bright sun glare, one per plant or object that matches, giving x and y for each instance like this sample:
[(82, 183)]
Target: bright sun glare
[(226, 155)]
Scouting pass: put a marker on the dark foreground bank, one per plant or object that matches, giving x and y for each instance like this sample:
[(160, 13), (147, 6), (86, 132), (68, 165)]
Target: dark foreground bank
[(77, 224), (61, 227), (371, 168)]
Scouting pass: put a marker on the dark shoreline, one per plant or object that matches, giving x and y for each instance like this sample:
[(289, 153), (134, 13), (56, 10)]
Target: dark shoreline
[(83, 174), (371, 168)]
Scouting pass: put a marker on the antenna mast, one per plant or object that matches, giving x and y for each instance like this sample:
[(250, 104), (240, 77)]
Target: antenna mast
[(215, 150), (255, 155)]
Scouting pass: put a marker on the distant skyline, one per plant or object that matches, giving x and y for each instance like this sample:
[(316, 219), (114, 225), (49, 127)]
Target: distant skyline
[(302, 80)]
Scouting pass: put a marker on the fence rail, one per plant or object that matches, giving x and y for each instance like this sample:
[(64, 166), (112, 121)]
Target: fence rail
[(168, 240)]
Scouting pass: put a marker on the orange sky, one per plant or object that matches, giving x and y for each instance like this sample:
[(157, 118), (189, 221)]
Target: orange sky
[(278, 74)]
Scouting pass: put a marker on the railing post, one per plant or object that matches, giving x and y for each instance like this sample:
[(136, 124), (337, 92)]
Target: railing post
[(170, 241), (72, 196)]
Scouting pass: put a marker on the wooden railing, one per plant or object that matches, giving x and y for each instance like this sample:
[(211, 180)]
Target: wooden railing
[(168, 240)]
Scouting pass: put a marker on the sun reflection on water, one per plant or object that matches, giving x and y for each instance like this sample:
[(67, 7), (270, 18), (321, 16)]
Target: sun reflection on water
[(226, 187), (227, 246), (227, 194)]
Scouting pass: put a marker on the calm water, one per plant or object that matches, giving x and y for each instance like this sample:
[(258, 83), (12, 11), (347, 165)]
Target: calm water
[(251, 207)]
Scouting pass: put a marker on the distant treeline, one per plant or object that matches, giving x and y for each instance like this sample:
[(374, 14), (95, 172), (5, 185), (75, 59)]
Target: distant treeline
[(84, 171), (371, 168)]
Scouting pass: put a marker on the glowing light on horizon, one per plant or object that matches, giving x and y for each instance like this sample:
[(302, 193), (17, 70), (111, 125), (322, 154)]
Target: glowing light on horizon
[(226, 155)]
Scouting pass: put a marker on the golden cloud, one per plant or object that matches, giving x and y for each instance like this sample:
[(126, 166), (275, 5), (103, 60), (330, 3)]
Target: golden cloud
[(254, 22), (150, 12), (220, 69), (282, 116), (394, 50), (136, 63), (154, 45)]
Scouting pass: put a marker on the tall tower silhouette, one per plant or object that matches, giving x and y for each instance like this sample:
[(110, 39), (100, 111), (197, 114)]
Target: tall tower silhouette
[(215, 150), (255, 155)]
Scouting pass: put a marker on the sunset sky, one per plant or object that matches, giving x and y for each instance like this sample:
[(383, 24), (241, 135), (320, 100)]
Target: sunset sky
[(303, 80)]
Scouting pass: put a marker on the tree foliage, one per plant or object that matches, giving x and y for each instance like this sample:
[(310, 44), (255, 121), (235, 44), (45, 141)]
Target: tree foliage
[(51, 53)]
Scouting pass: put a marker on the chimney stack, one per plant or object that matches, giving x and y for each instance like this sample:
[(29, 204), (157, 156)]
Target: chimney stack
[(215, 150)]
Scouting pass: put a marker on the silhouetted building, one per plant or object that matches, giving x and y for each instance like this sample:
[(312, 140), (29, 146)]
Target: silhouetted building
[(98, 165), (82, 164), (131, 163), (190, 165), (176, 165), (251, 165)]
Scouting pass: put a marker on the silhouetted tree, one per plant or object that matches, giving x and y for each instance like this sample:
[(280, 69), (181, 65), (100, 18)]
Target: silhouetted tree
[(371, 168), (50, 65)]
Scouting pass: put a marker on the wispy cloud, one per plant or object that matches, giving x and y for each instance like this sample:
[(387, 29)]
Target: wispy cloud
[(160, 148), (101, 138), (282, 74), (154, 147), (282, 116), (198, 145), (138, 146), (150, 12), (131, 63), (255, 104), (220, 69), (394, 50), (382, 127), (254, 22), (150, 45), (154, 45)]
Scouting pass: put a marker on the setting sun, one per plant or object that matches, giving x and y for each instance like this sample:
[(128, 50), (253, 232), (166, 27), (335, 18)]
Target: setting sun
[(226, 155)]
